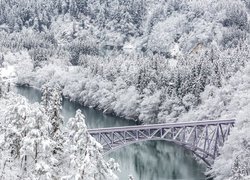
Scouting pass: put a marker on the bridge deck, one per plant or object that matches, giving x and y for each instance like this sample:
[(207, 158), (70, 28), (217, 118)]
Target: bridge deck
[(203, 138), (165, 125)]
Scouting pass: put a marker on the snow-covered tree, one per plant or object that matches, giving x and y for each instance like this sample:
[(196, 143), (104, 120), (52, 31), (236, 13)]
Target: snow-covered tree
[(31, 149), (27, 148), (45, 99), (150, 108), (240, 169), (51, 103), (56, 120), (12, 132), (84, 153), (38, 160)]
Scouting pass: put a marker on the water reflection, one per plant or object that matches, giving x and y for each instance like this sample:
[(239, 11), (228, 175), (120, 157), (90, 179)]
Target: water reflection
[(154, 160), (157, 160), (94, 118)]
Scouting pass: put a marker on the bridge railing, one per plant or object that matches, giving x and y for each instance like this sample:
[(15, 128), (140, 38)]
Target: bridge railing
[(165, 125), (203, 138)]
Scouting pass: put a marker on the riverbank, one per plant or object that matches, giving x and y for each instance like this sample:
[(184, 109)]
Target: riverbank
[(94, 91), (76, 87), (99, 120), (153, 61), (141, 159), (216, 102)]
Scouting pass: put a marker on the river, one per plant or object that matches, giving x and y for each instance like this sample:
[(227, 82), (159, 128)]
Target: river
[(153, 160)]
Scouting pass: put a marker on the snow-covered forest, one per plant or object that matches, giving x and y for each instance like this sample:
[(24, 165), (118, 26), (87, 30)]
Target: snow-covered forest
[(36, 145), (153, 61)]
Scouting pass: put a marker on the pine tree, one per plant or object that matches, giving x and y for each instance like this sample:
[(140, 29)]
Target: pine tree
[(27, 148), (13, 131), (236, 170), (51, 105), (45, 99), (55, 111), (37, 148), (85, 159), (1, 60), (56, 120)]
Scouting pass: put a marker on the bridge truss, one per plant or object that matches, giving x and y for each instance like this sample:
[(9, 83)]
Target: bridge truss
[(203, 138)]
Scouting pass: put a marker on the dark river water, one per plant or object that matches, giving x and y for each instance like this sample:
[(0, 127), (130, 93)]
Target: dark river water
[(152, 160)]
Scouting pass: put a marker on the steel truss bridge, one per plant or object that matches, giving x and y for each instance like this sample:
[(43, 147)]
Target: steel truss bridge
[(203, 138)]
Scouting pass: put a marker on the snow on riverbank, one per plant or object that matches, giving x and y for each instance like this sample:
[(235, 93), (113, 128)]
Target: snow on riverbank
[(119, 95), (230, 101), (21, 130), (12, 62), (110, 96), (8, 73)]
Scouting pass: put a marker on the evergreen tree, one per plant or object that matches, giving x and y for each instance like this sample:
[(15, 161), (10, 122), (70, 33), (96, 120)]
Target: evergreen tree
[(56, 121), (27, 149), (36, 152), (45, 99), (85, 159)]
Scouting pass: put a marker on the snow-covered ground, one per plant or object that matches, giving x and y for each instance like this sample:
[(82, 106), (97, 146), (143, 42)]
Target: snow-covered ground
[(230, 101), (14, 61), (18, 115), (38, 44), (8, 73)]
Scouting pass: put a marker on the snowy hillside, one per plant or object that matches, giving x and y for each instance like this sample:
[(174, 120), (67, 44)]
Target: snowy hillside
[(148, 60)]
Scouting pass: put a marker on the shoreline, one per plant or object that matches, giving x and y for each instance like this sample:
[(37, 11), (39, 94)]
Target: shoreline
[(137, 122)]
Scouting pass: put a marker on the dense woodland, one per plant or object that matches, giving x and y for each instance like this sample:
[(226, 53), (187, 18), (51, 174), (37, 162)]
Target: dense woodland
[(152, 61), (35, 144)]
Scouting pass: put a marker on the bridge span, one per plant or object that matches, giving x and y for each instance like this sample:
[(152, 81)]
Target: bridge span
[(203, 138)]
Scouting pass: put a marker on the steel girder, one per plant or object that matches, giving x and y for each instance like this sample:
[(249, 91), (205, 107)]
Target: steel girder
[(203, 138)]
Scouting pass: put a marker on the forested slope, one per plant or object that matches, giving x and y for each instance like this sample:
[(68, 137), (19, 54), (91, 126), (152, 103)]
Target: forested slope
[(153, 61), (176, 48)]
